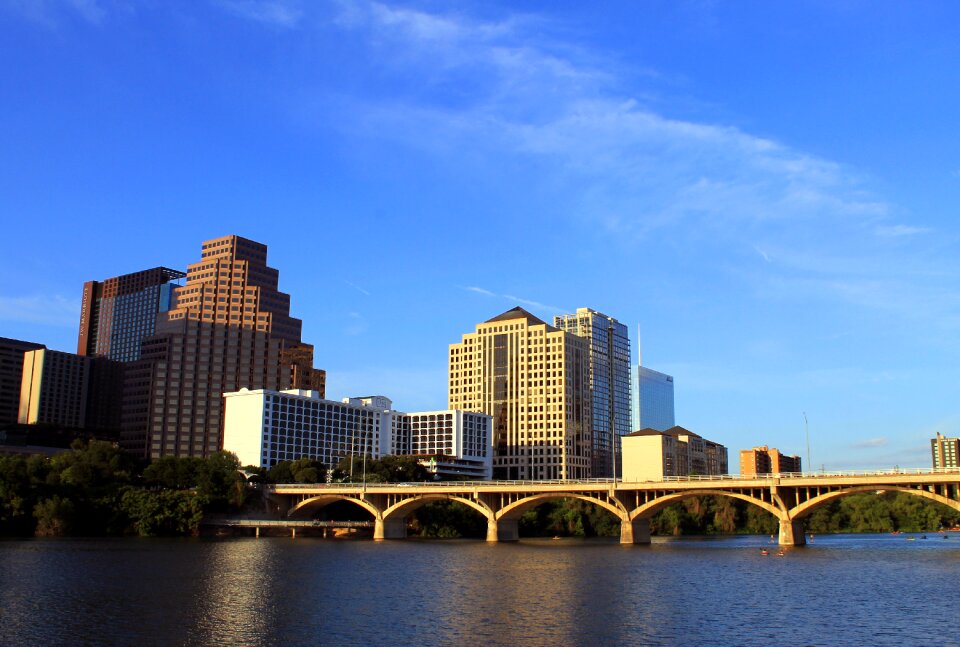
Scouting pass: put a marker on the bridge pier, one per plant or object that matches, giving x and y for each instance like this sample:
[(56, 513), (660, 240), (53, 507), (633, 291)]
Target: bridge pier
[(791, 533), (389, 529), (492, 532), (635, 532)]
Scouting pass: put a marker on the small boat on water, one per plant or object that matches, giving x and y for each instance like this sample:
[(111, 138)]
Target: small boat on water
[(764, 551)]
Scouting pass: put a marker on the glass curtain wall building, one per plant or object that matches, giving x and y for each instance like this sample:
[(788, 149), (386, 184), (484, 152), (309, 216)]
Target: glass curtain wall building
[(609, 383), (117, 314), (653, 403)]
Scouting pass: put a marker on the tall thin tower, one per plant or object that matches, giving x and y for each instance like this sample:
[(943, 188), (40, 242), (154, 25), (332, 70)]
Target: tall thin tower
[(609, 383)]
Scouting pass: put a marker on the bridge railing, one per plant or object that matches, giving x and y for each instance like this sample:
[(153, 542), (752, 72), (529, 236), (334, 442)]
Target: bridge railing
[(447, 484), (896, 471)]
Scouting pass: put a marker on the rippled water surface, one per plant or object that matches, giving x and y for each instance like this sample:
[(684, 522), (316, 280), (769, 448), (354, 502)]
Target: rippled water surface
[(841, 590)]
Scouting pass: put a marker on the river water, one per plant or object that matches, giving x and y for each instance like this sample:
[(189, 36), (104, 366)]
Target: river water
[(840, 590)]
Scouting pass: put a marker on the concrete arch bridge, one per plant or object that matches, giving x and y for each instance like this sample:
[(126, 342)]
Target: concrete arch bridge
[(788, 497)]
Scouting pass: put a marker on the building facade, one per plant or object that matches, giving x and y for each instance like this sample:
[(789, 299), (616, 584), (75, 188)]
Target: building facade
[(11, 376), (653, 404), (265, 427), (652, 455), (765, 460), (117, 314), (609, 365), (228, 327), (945, 452), (71, 391), (534, 380)]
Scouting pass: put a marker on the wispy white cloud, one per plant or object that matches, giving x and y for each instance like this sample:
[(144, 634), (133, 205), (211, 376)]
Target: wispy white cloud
[(509, 297), (895, 231), (634, 170), (277, 13), (51, 310), (480, 291), (531, 303), (511, 88), (871, 443), (50, 12), (357, 287)]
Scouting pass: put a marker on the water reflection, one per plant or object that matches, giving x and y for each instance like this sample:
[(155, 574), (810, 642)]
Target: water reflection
[(278, 591), (234, 598)]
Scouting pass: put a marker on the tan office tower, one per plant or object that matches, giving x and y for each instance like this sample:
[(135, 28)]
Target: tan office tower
[(228, 327), (535, 382)]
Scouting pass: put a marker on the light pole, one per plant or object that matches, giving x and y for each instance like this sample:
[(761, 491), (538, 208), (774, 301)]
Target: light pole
[(353, 446), (806, 428), (364, 466), (613, 452)]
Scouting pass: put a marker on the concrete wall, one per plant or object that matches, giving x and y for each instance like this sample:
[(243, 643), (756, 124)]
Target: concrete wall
[(643, 458)]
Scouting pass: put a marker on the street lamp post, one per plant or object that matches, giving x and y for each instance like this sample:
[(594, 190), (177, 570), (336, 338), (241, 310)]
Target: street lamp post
[(806, 428)]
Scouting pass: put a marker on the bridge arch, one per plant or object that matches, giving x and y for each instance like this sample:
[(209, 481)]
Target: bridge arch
[(807, 507), (647, 510), (403, 509), (517, 508), (320, 501)]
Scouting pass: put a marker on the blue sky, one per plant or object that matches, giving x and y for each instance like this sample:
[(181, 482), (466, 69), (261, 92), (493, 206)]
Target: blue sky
[(767, 189)]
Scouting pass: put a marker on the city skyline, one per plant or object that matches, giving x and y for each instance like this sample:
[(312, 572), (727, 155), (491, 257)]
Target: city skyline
[(768, 192)]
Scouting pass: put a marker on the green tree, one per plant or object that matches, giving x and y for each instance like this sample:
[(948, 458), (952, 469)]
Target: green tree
[(23, 482), (174, 472), (389, 469), (92, 465), (448, 519), (163, 512), (56, 517)]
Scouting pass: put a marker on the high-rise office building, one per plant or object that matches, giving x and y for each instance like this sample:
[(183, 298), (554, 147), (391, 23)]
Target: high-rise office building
[(946, 452), (11, 376), (535, 381), (653, 408), (766, 460), (229, 327), (609, 348), (116, 315)]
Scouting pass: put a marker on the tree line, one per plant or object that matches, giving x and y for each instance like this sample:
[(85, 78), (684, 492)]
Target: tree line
[(98, 489), (706, 515)]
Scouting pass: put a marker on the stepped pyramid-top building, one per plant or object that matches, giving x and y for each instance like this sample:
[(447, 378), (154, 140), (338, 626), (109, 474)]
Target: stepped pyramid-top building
[(228, 327)]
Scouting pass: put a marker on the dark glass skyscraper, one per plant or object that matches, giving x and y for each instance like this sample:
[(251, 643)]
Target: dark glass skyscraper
[(116, 315), (609, 382)]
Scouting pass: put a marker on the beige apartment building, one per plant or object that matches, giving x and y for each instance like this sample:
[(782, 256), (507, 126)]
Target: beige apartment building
[(766, 460), (651, 455), (534, 380), (945, 452)]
